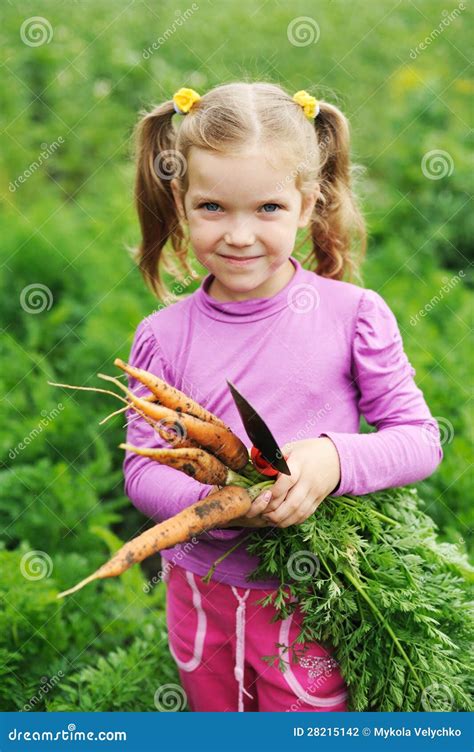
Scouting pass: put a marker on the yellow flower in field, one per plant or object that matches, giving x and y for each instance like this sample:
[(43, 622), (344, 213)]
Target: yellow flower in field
[(184, 99), (309, 104), (406, 78), (464, 86)]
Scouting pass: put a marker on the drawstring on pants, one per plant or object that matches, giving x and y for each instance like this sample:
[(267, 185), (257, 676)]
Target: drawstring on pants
[(240, 646)]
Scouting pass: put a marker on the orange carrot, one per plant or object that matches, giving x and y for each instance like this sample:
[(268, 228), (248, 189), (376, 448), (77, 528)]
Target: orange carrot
[(168, 395), (175, 439), (217, 509), (219, 441), (197, 463), (168, 431)]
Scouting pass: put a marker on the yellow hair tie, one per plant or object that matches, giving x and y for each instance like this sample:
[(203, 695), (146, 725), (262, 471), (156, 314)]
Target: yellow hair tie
[(184, 99), (309, 104)]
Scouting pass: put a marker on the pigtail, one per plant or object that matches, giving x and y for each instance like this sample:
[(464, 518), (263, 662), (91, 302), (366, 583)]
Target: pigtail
[(157, 163), (336, 219)]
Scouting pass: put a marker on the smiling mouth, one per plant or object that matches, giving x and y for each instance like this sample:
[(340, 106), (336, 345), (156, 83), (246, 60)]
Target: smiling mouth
[(239, 258)]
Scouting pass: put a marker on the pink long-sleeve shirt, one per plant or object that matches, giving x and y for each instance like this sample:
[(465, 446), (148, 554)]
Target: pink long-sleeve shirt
[(311, 359)]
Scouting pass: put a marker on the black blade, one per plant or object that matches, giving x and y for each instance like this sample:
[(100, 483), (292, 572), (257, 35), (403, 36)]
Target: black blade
[(259, 433)]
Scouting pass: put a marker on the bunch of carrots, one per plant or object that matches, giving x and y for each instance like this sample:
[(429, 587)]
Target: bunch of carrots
[(202, 446)]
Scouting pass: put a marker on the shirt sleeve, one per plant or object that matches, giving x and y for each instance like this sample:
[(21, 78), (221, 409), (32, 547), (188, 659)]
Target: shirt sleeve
[(406, 446), (156, 490)]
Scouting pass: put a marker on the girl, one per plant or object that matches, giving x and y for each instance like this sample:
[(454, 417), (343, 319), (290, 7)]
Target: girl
[(248, 166)]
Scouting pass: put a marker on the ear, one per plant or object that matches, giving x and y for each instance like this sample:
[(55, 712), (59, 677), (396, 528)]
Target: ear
[(307, 206), (178, 200)]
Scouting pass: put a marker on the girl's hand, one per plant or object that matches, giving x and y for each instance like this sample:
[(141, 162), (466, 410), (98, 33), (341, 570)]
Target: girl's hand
[(315, 473), (255, 521)]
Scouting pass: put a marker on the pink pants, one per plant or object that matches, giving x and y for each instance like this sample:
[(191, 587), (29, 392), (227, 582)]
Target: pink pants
[(217, 635)]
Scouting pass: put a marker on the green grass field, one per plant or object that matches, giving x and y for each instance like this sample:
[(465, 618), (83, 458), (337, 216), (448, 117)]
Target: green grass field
[(71, 296)]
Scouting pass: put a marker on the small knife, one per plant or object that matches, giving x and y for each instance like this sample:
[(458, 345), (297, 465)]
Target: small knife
[(265, 453)]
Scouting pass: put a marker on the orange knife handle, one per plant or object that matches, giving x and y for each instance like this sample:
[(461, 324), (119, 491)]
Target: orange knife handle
[(261, 464)]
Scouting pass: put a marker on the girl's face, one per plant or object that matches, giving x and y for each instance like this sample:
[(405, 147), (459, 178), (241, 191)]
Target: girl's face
[(243, 215)]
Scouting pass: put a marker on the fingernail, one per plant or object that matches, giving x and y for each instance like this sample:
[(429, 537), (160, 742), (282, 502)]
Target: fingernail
[(266, 496)]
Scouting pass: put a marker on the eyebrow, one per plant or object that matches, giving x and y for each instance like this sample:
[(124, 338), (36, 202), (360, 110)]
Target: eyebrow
[(269, 200)]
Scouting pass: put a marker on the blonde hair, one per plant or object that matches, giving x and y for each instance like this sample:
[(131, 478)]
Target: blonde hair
[(227, 119)]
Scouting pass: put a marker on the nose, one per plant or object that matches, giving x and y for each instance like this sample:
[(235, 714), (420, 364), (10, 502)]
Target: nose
[(240, 235)]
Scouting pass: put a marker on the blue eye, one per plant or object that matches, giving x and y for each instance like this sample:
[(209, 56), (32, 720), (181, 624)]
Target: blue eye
[(277, 206), (214, 207), (208, 203)]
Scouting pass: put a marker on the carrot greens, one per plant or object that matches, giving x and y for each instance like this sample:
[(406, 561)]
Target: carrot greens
[(374, 583)]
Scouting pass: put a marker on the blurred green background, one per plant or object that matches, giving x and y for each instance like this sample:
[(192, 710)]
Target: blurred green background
[(74, 81)]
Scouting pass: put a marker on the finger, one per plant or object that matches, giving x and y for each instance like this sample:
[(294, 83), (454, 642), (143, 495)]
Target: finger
[(265, 496), (296, 518), (257, 507), (295, 497), (265, 523), (306, 509), (260, 503), (274, 504), (280, 489), (284, 482), (258, 521)]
